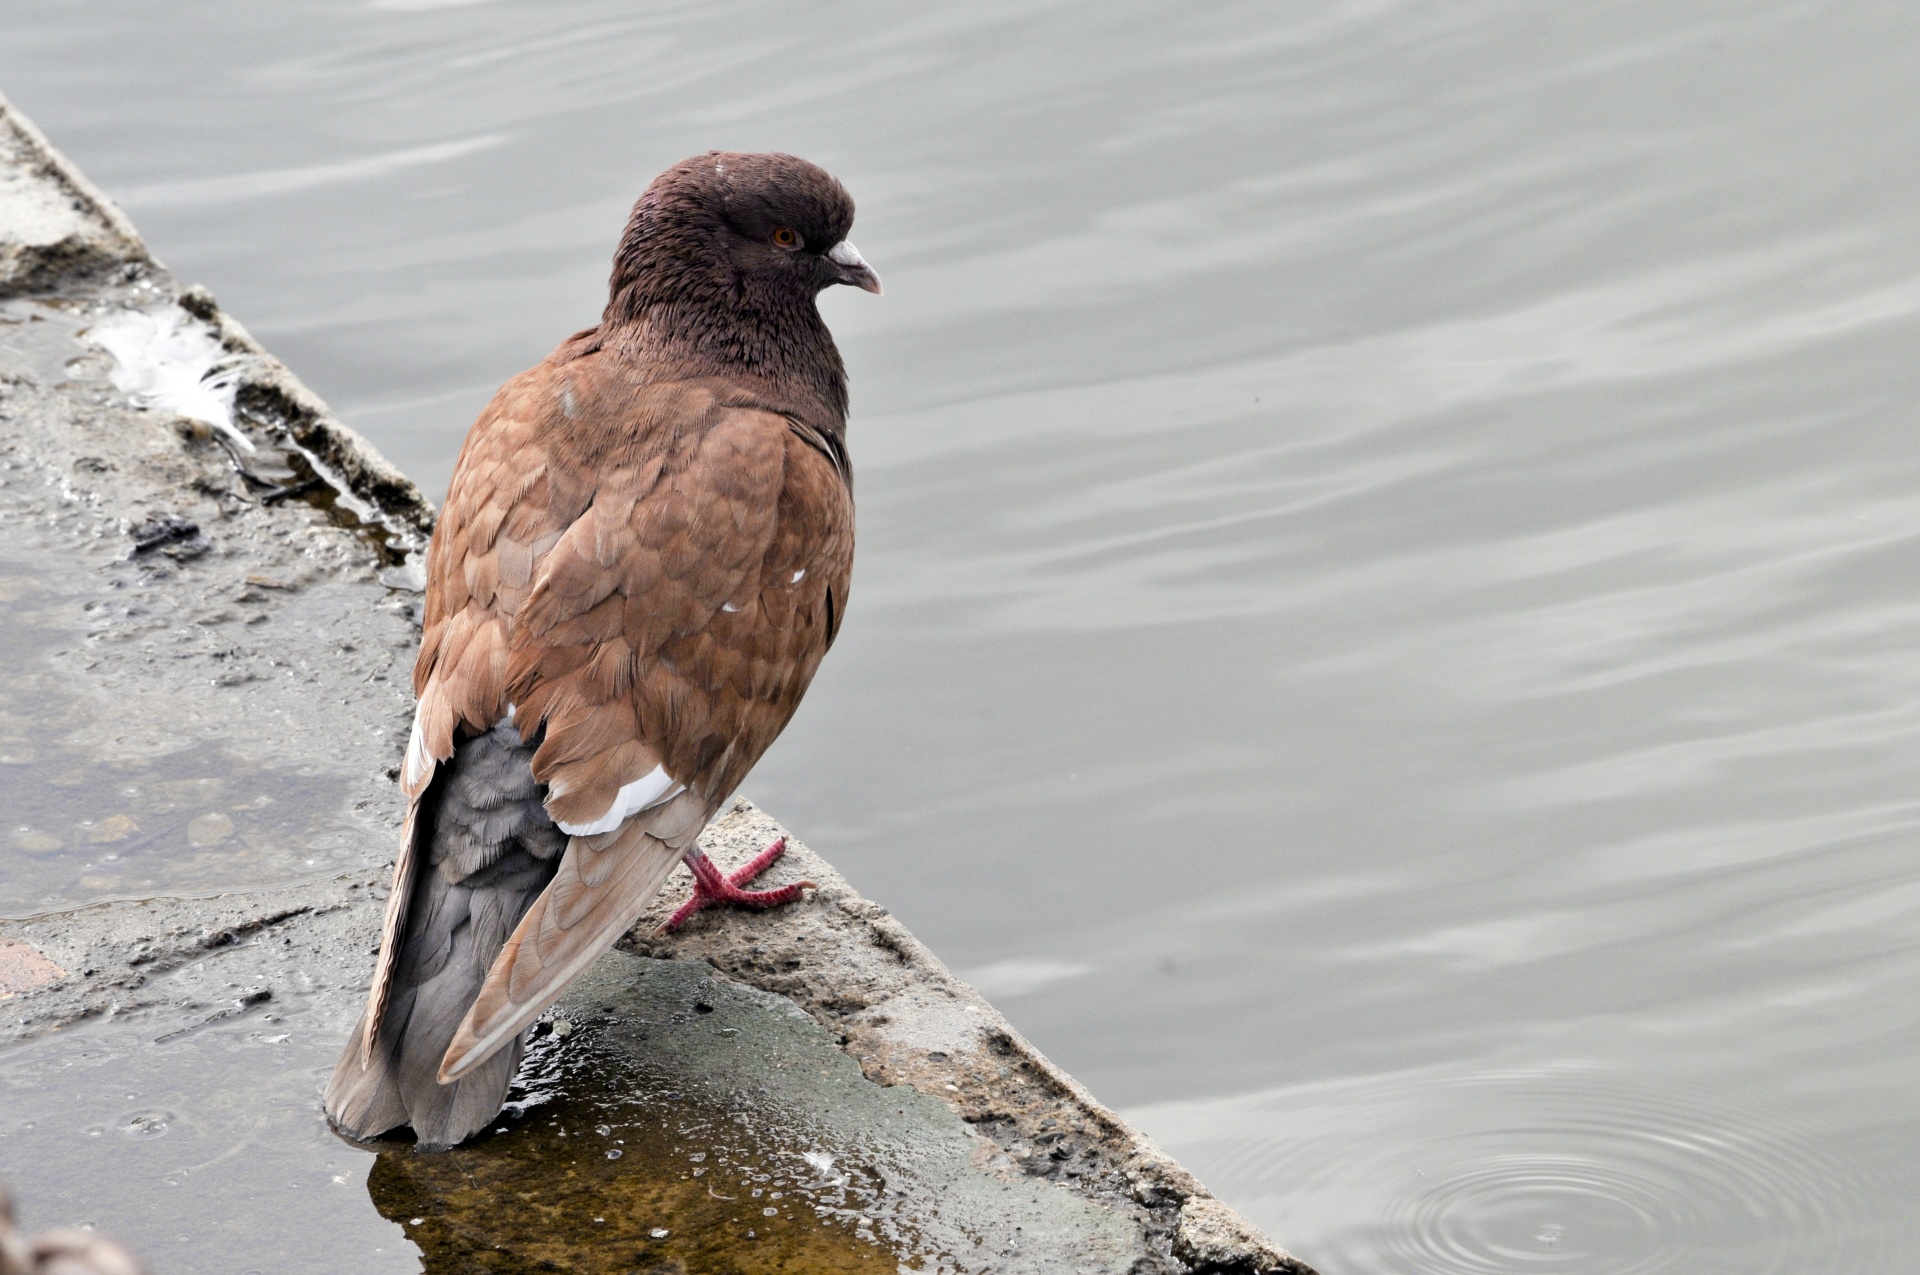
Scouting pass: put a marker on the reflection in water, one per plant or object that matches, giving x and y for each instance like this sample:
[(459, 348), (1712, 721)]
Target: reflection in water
[(606, 1170), (680, 1122)]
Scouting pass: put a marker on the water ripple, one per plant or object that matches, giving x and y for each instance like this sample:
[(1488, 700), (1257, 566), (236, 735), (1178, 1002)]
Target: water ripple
[(1568, 1168)]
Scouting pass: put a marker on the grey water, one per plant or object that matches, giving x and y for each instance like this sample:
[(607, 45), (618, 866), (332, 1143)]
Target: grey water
[(1385, 619)]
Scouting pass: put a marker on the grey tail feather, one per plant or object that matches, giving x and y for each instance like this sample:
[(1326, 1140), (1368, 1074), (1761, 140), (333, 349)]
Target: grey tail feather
[(491, 850)]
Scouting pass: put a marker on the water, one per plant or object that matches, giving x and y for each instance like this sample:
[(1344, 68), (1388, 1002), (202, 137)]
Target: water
[(1387, 536), (201, 1146)]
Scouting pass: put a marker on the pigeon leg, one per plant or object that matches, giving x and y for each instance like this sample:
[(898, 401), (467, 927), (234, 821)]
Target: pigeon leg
[(711, 886)]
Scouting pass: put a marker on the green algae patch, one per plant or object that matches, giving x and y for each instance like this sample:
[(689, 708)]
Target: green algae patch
[(671, 1120)]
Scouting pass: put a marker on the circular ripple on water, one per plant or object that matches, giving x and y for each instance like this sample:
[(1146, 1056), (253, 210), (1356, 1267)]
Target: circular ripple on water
[(1556, 1170), (1617, 1186)]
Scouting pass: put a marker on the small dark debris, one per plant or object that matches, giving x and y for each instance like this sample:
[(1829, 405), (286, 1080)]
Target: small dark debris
[(172, 535), (240, 1006), (273, 495), (199, 302)]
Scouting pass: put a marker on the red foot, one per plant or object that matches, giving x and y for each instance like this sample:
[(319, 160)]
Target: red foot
[(710, 886)]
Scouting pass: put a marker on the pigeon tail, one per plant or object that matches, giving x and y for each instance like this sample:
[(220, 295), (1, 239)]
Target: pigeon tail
[(490, 849), (604, 883), (399, 1085)]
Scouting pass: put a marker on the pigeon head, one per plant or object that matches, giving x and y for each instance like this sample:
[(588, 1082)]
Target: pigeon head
[(720, 266), (784, 219), (743, 232)]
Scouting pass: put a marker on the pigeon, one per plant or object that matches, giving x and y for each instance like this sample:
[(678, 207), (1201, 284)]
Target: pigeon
[(67, 1250), (644, 555)]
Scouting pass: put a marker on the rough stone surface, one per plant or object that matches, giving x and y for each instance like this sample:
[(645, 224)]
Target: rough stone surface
[(54, 226), (58, 234), (172, 595), (903, 1016), (1212, 1237)]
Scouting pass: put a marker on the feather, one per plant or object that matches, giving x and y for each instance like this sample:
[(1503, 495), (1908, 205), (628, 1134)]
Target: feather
[(397, 900), (570, 926)]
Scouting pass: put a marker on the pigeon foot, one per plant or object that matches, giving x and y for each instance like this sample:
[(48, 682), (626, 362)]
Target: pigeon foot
[(711, 886)]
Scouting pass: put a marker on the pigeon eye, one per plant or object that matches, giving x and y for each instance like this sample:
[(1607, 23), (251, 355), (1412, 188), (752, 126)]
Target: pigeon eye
[(785, 237)]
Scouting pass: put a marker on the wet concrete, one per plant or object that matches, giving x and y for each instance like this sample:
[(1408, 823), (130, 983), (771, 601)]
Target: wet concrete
[(208, 632)]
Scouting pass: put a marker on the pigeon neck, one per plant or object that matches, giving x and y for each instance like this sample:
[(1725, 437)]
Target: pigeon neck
[(791, 354)]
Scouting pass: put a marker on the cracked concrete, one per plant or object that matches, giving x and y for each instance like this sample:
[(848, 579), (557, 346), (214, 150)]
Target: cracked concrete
[(210, 644)]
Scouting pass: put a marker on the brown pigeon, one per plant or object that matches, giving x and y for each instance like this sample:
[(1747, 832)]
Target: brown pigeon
[(643, 557)]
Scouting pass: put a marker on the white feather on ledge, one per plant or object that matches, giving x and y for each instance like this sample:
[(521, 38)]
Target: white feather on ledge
[(169, 360)]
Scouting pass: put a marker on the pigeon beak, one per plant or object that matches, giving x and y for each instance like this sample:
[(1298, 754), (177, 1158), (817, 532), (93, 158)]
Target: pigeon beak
[(853, 267)]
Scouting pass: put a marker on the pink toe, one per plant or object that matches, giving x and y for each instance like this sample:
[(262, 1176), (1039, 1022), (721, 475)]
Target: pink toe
[(711, 886)]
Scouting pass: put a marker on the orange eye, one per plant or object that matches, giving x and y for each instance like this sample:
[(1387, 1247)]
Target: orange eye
[(784, 236)]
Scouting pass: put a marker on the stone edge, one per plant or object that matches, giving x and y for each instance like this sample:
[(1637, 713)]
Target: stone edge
[(268, 390), (891, 1000)]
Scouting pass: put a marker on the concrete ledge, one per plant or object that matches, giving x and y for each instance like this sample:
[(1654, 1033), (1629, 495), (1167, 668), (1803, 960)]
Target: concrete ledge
[(54, 226), (902, 1015), (245, 600), (57, 232)]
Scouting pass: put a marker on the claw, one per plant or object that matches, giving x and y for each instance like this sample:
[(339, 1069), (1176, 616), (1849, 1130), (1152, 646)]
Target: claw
[(710, 886)]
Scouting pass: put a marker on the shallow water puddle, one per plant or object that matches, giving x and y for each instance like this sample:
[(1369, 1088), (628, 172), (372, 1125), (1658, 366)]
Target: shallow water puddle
[(632, 1181)]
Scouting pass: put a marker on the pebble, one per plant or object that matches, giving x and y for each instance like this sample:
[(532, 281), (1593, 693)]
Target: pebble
[(209, 829), (112, 828)]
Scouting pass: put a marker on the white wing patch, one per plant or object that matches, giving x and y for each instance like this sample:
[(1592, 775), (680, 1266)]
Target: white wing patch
[(415, 766), (650, 789)]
